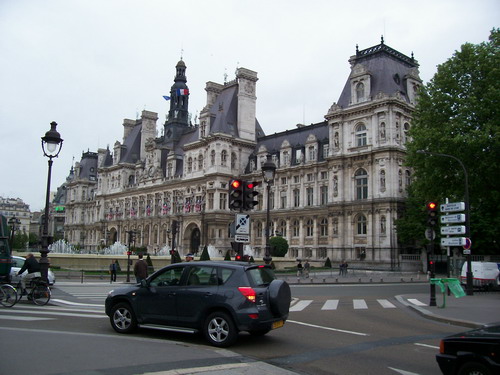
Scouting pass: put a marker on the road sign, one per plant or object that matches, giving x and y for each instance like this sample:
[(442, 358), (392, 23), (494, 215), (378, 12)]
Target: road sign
[(242, 224), (468, 244), (241, 238), (453, 241), (456, 229), (430, 234), (466, 252), (451, 219), (453, 207)]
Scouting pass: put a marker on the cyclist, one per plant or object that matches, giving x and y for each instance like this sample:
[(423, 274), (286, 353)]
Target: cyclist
[(31, 264)]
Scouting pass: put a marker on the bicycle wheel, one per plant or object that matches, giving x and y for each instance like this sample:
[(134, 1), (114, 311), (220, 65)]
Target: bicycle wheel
[(8, 295), (40, 295)]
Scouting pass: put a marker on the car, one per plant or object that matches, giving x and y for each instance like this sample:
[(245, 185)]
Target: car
[(17, 264), (216, 298), (475, 352)]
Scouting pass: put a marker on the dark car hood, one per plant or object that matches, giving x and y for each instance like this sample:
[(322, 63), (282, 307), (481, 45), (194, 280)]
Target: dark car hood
[(124, 289), (490, 330)]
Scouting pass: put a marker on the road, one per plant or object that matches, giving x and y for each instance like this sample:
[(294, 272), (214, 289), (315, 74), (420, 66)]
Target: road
[(332, 329)]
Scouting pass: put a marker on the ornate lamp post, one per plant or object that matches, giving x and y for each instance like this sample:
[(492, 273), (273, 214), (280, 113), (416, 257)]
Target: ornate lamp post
[(469, 289), (268, 171), (14, 224), (51, 146)]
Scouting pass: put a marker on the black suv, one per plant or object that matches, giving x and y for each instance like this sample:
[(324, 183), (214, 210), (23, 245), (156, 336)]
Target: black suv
[(218, 298)]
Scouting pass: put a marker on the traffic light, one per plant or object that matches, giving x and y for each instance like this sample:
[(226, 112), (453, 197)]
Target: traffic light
[(432, 214), (238, 258), (250, 195), (236, 195)]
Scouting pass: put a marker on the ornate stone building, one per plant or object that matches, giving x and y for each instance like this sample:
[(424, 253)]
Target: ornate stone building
[(339, 186)]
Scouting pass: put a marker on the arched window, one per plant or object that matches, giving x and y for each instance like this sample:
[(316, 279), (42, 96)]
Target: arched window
[(223, 158), (361, 135), (309, 228), (406, 129), (282, 228), (190, 164), (361, 225), (203, 128), (323, 227), (407, 178), (360, 92), (361, 181), (295, 228)]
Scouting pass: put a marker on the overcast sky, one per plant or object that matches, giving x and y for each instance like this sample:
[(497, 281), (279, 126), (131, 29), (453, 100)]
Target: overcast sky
[(88, 64)]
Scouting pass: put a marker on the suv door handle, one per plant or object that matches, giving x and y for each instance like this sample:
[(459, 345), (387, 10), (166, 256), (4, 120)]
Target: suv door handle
[(208, 294)]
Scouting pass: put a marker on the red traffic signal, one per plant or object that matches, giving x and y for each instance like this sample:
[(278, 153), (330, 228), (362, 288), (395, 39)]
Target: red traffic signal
[(432, 206), (250, 195), (238, 257), (235, 194), (432, 214), (129, 253), (235, 184)]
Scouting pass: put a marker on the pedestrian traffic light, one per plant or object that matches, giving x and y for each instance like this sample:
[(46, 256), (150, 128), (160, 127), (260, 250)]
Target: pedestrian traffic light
[(432, 214), (236, 195), (238, 258), (250, 195)]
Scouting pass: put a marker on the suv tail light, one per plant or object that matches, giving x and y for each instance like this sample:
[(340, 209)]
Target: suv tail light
[(248, 292), (441, 347)]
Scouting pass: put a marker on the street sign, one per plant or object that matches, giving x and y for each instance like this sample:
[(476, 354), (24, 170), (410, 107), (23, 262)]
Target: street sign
[(430, 234), (466, 252), (453, 207), (451, 219), (453, 241), (242, 224), (468, 244), (241, 238), (456, 229)]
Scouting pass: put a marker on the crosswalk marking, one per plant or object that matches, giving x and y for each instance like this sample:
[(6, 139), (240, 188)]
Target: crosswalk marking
[(331, 304), (359, 304), (301, 305), (386, 304), (23, 318), (416, 302)]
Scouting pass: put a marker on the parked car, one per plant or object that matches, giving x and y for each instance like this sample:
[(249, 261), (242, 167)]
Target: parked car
[(485, 275), (17, 264), (475, 352), (219, 299)]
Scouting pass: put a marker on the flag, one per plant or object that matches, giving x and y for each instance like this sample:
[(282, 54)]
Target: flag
[(182, 92), (166, 97)]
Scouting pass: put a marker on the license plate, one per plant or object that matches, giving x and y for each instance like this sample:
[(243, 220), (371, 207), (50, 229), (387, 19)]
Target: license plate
[(278, 324)]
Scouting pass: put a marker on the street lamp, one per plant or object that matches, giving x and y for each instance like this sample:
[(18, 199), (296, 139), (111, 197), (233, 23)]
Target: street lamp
[(469, 287), (51, 146), (268, 171), (14, 223)]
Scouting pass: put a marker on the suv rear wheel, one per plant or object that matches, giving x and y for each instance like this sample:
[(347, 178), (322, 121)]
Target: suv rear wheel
[(279, 297), (219, 329), (123, 318)]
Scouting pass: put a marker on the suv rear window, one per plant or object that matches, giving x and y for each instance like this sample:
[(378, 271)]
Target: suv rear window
[(261, 275)]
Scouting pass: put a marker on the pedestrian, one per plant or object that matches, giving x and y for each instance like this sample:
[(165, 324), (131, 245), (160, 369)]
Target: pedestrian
[(307, 266), (341, 268), (345, 268), (189, 257), (112, 271), (299, 269), (140, 269), (33, 268)]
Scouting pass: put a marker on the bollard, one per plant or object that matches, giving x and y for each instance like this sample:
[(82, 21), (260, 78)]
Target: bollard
[(402, 280), (298, 280), (371, 280), (359, 280), (311, 280), (82, 276), (336, 280), (381, 280), (324, 280)]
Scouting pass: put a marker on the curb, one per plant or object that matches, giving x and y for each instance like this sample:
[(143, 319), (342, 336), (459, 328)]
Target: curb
[(430, 315)]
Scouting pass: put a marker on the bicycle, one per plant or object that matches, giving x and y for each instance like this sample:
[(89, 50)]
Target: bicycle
[(8, 295), (39, 292)]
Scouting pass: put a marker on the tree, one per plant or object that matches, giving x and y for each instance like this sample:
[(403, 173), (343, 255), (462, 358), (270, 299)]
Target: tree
[(458, 114), (204, 254), (228, 255), (279, 246)]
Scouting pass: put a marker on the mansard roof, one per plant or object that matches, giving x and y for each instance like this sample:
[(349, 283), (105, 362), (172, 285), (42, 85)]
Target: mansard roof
[(388, 69), (88, 166), (296, 137)]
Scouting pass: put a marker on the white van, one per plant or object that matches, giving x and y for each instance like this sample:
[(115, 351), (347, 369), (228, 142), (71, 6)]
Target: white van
[(484, 274)]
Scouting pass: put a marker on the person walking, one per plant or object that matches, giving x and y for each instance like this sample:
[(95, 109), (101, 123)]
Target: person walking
[(112, 270), (140, 269), (341, 268), (299, 269), (307, 267)]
